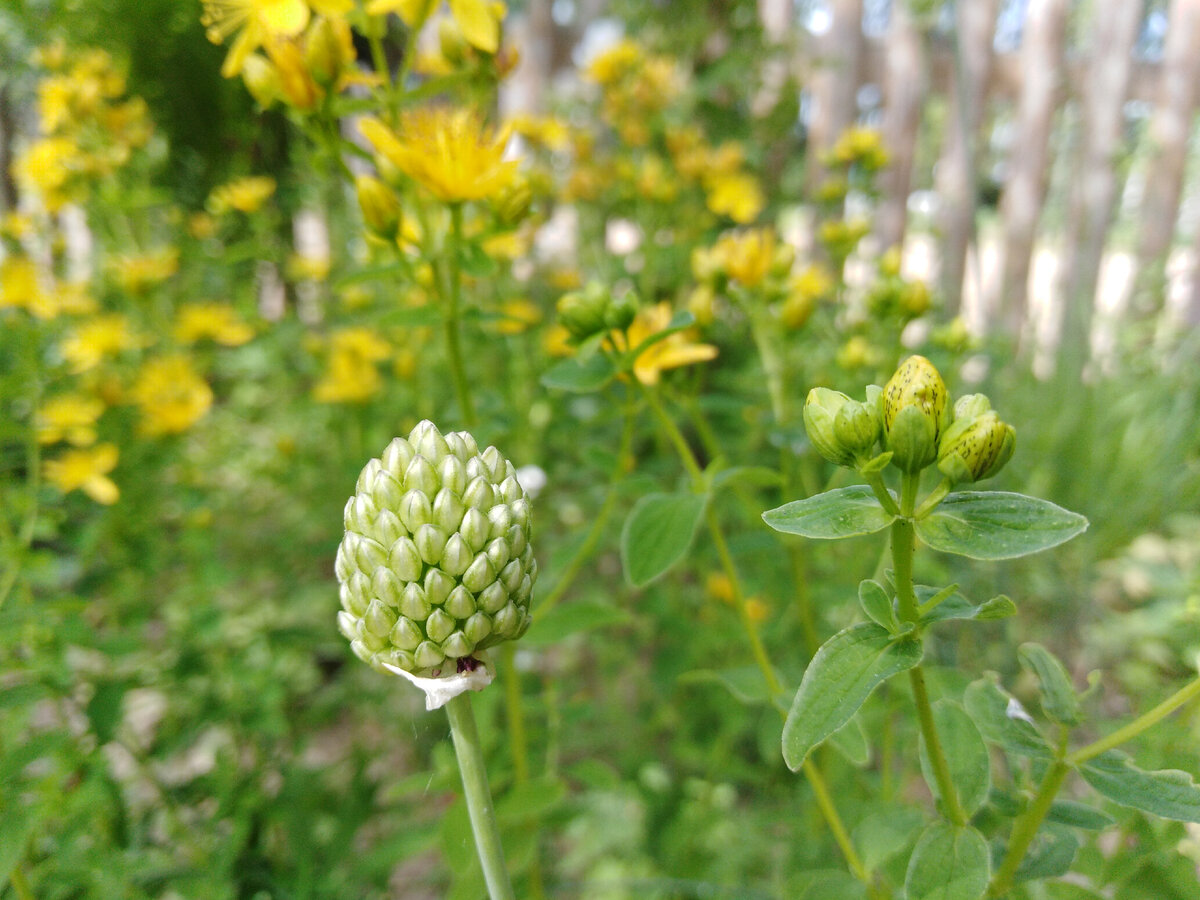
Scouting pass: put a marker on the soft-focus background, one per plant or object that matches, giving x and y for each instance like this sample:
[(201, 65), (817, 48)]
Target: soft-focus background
[(200, 347)]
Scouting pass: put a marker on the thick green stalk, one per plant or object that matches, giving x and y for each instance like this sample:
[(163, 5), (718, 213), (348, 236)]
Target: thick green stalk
[(458, 373), (902, 566), (478, 797), (1025, 829)]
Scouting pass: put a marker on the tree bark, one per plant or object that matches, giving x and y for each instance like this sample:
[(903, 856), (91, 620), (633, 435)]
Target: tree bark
[(1029, 157), (958, 169), (1170, 125), (904, 90), (834, 84)]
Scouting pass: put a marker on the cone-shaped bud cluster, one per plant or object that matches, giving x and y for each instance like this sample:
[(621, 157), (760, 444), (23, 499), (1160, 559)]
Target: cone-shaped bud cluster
[(915, 414), (436, 562), (843, 430), (978, 444)]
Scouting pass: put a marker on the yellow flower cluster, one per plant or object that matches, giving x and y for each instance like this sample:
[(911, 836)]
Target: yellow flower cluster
[(171, 397), (245, 195), (352, 373), (217, 322), (85, 130)]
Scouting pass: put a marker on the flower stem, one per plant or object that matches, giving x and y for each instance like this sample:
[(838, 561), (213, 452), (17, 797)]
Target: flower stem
[(458, 372), (1025, 829), (902, 566), (1137, 726), (479, 798)]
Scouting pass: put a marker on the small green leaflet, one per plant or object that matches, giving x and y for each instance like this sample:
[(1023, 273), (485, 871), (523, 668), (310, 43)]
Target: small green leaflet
[(1169, 793), (948, 863), (657, 534)]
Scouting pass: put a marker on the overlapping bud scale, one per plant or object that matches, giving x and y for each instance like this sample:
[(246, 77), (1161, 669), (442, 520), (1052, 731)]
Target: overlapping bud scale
[(436, 563)]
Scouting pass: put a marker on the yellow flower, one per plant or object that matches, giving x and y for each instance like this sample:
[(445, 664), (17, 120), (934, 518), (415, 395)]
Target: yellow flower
[(449, 151), (673, 351), (352, 375), (301, 267), (611, 65), (21, 288), (757, 611), (170, 395), (718, 586), (258, 21), (748, 256), (552, 133), (296, 83), (69, 417), (861, 145), (212, 321), (246, 195), (517, 316), (44, 167), (479, 20), (136, 274), (73, 298), (85, 470), (737, 196), (87, 345)]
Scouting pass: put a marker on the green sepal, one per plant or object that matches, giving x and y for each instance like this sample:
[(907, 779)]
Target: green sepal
[(877, 605), (876, 463)]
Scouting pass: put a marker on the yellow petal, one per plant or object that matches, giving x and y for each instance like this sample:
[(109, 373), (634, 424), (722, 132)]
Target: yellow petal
[(284, 17), (101, 489), (478, 22)]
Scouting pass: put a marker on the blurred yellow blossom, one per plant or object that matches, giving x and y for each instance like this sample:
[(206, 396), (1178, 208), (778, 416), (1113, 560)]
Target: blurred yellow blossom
[(217, 322), (140, 272), (718, 586), (69, 417), (449, 151), (552, 133), (614, 63), (352, 375), (259, 21), (85, 470), (87, 345), (44, 167), (73, 298), (170, 395), (517, 316), (675, 350), (736, 195), (757, 611), (861, 146), (246, 194), (749, 256), (302, 267), (479, 20), (21, 288)]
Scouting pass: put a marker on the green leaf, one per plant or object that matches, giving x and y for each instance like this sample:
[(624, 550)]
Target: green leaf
[(477, 263), (572, 618), (104, 709), (844, 672), (1079, 815), (876, 603), (833, 886), (1050, 854), (845, 512), (966, 755), (580, 375), (1169, 793), (1059, 701), (745, 683), (851, 741), (956, 606), (881, 835), (1002, 720), (528, 802), (997, 525), (16, 826), (948, 863), (657, 534)]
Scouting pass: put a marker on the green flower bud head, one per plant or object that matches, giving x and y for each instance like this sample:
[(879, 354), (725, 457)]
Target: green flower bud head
[(436, 563), (582, 312), (621, 311), (976, 448), (857, 426), (820, 415), (970, 406), (380, 206), (915, 413)]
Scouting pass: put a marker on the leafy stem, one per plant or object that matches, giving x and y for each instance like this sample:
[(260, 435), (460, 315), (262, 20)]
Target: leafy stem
[(1189, 692), (903, 546), (1026, 827)]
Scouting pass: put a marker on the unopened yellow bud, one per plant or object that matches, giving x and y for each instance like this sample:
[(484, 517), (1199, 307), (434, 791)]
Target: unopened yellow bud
[(327, 50), (915, 413), (380, 206), (976, 448), (261, 80)]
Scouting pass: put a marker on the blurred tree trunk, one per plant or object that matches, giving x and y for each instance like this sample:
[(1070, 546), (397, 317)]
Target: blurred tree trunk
[(958, 169), (1170, 125), (1029, 157), (904, 90), (1097, 176), (834, 84)]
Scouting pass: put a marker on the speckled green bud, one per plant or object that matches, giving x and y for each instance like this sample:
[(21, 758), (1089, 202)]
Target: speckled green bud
[(915, 414), (976, 448), (435, 564)]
